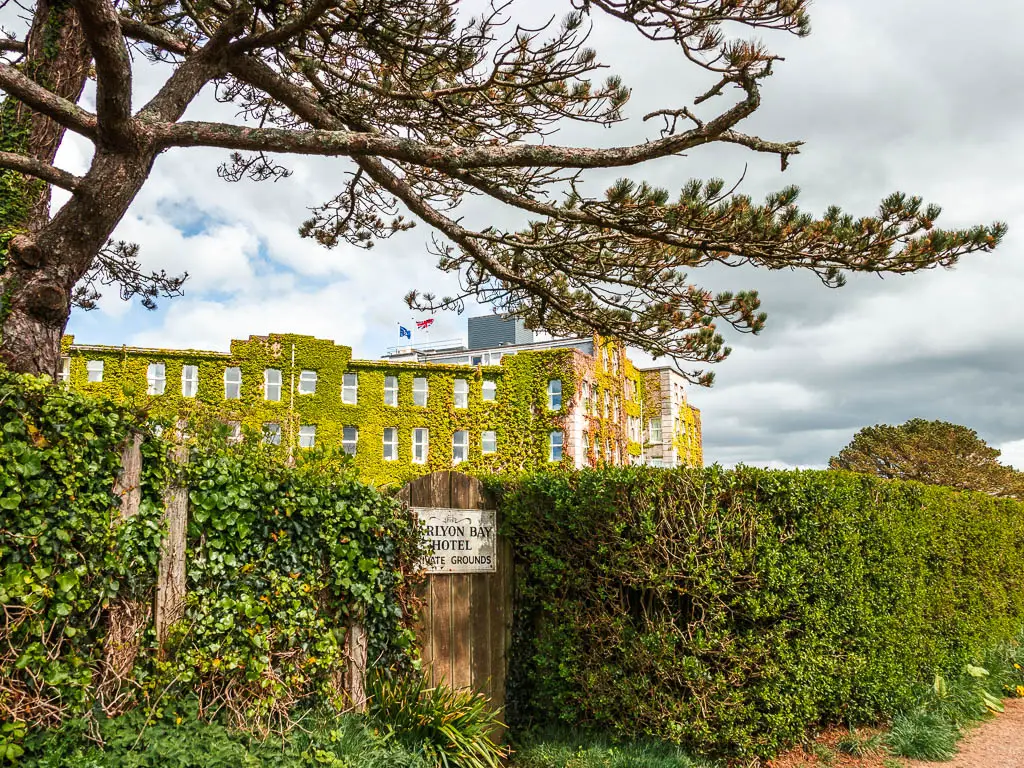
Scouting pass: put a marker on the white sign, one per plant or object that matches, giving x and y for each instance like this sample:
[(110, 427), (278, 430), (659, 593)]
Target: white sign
[(459, 540)]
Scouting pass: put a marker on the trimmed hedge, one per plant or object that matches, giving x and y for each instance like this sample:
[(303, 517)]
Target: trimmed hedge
[(730, 611)]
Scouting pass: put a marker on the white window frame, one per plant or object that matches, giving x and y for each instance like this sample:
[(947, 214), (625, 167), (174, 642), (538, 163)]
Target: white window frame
[(64, 375), (392, 444), (94, 368), (307, 436), (350, 389), (485, 440), (554, 394), (391, 391), (489, 387), (271, 436), (271, 387), (234, 432), (232, 382), (654, 429), (460, 393), (556, 440), (460, 446), (607, 403), (307, 378), (156, 384), (348, 443), (417, 390), (189, 380), (421, 440)]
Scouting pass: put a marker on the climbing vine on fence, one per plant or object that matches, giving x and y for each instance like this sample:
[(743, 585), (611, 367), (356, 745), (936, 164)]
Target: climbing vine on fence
[(282, 561), (64, 558)]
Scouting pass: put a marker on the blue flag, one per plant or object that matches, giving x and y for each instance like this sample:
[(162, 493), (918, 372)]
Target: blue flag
[(403, 331)]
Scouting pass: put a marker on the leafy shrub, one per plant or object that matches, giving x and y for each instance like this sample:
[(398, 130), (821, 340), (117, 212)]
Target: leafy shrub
[(730, 611), (180, 739), (282, 561), (64, 563), (449, 728)]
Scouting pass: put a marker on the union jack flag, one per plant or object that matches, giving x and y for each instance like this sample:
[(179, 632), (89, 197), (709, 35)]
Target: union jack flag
[(424, 324)]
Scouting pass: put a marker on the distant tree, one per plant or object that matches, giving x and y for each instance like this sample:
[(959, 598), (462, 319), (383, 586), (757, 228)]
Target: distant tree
[(934, 452), (429, 107)]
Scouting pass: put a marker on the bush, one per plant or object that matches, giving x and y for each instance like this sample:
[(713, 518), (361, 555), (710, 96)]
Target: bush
[(63, 561), (179, 738), (730, 611), (448, 728), (281, 561)]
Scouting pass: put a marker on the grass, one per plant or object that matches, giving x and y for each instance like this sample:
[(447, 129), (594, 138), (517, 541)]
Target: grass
[(130, 742), (945, 709), (855, 745), (565, 750)]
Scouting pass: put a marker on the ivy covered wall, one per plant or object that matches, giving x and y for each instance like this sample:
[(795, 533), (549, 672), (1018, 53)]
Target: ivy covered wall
[(519, 414)]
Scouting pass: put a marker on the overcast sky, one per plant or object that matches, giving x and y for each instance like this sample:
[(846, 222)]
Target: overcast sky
[(888, 95)]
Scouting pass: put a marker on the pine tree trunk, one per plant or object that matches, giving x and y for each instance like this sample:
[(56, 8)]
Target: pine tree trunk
[(33, 312)]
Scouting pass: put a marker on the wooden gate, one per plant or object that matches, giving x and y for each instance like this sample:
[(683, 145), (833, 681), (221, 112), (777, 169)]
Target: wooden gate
[(466, 623)]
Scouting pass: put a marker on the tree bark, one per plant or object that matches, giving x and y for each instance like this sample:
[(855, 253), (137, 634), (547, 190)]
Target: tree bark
[(35, 305)]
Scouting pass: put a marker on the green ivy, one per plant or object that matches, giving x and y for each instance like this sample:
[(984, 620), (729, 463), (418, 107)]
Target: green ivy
[(732, 611), (281, 561), (64, 556), (519, 415)]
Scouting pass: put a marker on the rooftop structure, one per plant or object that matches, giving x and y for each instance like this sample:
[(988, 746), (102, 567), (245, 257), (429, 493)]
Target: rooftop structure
[(518, 404)]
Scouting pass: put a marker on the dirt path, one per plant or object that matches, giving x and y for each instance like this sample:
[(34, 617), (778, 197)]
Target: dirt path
[(996, 743)]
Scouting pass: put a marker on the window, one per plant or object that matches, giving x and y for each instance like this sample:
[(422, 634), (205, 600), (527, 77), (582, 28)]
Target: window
[(654, 428), (189, 380), (234, 432), (64, 376), (419, 392), (585, 396), (460, 446), (555, 445), (586, 443), (555, 395), (391, 390), (476, 360), (307, 436), (390, 443), (490, 390), (607, 403), (595, 404), (156, 379), (350, 389), (95, 370), (615, 412), (461, 393), (420, 445), (489, 441), (307, 383), (272, 384), (349, 439), (272, 433), (232, 383)]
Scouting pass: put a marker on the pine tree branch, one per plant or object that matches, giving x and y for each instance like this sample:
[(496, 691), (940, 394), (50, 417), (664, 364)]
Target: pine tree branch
[(285, 32), (40, 170), (61, 111), (12, 46), (113, 70), (448, 158), (160, 38)]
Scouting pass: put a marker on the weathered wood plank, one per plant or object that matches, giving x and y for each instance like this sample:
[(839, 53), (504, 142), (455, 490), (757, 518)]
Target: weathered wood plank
[(171, 586), (128, 486), (441, 629)]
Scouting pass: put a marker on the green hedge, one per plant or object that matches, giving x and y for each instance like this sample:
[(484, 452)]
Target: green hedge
[(732, 610), (280, 560)]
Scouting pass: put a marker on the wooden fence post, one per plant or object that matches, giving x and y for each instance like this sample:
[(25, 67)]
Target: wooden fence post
[(171, 584), (356, 642), (126, 619)]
